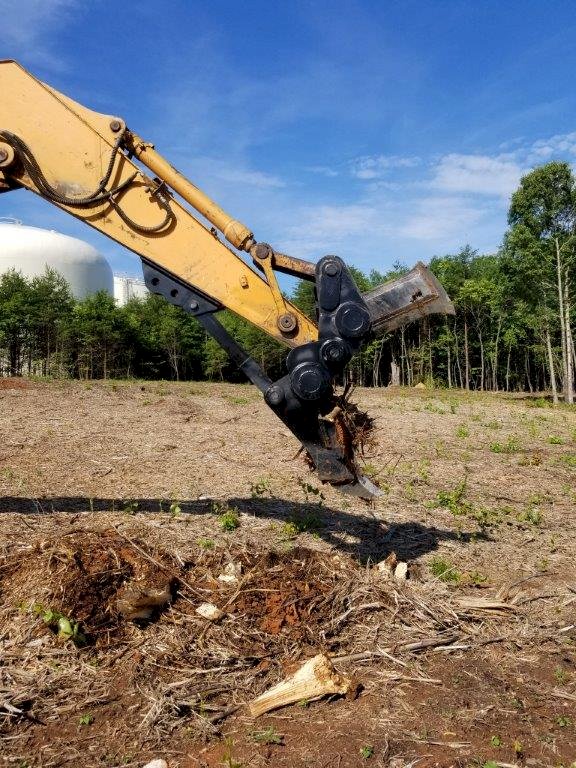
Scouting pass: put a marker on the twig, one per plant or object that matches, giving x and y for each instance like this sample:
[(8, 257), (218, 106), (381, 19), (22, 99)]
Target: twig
[(421, 645)]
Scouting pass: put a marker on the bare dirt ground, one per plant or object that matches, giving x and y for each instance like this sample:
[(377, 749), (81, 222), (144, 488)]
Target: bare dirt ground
[(114, 500)]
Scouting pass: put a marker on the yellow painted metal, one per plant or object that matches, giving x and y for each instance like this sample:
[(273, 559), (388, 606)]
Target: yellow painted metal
[(73, 145), (234, 231)]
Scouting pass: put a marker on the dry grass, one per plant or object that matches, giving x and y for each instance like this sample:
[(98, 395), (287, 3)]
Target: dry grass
[(471, 659)]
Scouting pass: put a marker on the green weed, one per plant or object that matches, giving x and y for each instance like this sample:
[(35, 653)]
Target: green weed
[(462, 431), (86, 719), (510, 446), (454, 499), (531, 514), (311, 492), (561, 675), (268, 735), (65, 627), (555, 440), (204, 543), (260, 488), (228, 517), (562, 721), (229, 520), (445, 570), (305, 522), (366, 752)]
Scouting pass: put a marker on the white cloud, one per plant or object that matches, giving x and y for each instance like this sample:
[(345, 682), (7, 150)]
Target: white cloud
[(477, 174), (560, 144), (27, 26), (437, 218), (242, 175), (375, 166), (322, 170)]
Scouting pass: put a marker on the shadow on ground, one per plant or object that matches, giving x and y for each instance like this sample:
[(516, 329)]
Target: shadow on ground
[(365, 536)]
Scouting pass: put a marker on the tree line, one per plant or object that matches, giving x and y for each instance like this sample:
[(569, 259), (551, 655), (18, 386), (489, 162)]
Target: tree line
[(512, 329)]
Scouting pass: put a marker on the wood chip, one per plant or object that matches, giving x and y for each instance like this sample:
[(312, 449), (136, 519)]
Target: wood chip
[(209, 611)]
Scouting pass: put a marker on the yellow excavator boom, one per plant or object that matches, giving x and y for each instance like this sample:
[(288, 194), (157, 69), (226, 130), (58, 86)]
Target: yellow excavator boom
[(97, 169)]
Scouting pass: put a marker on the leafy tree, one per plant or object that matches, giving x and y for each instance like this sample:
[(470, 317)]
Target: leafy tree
[(539, 255)]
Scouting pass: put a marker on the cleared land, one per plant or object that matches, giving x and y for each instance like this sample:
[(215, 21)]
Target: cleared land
[(114, 498)]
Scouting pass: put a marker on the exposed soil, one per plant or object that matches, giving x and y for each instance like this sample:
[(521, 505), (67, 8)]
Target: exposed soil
[(113, 500)]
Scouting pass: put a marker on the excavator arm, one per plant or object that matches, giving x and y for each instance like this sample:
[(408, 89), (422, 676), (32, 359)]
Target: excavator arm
[(92, 166)]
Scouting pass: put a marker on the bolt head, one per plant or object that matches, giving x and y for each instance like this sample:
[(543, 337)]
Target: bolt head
[(262, 251), (274, 395), (287, 323), (115, 126), (193, 305)]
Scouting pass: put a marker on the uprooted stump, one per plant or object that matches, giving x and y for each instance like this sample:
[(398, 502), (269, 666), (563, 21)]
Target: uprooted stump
[(314, 679)]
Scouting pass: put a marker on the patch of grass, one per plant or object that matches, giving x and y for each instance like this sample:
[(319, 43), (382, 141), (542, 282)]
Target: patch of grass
[(563, 721), (555, 440), (228, 517), (445, 570), (366, 752), (175, 509), (268, 735), (305, 522), (229, 520), (531, 515), (260, 488), (454, 499), (462, 431), (370, 470), (569, 460), (533, 460), (205, 543), (130, 507), (237, 400), (311, 492), (511, 445), (561, 676), (496, 741), (539, 402)]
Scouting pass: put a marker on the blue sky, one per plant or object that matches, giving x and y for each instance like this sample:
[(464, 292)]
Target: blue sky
[(379, 131)]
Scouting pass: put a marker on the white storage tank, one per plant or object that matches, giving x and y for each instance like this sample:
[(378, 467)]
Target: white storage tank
[(127, 288), (30, 250)]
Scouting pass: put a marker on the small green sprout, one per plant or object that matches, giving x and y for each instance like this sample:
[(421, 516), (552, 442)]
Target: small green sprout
[(86, 719), (562, 721), (366, 752), (510, 446), (260, 488), (268, 735)]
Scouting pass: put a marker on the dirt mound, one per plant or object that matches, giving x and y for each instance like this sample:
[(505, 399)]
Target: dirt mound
[(290, 595), (92, 580), (13, 383)]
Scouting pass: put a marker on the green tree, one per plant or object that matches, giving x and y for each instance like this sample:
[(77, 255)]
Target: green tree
[(539, 255)]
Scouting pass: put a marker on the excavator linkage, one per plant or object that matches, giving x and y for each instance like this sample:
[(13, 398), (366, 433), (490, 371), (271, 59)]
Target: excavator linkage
[(90, 165)]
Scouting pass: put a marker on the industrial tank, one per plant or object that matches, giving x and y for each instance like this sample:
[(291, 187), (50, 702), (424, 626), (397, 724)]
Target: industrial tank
[(30, 250)]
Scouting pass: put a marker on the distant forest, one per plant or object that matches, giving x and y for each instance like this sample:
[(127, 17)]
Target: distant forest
[(512, 330)]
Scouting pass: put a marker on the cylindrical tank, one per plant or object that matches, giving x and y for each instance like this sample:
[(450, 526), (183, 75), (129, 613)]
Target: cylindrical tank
[(30, 250)]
